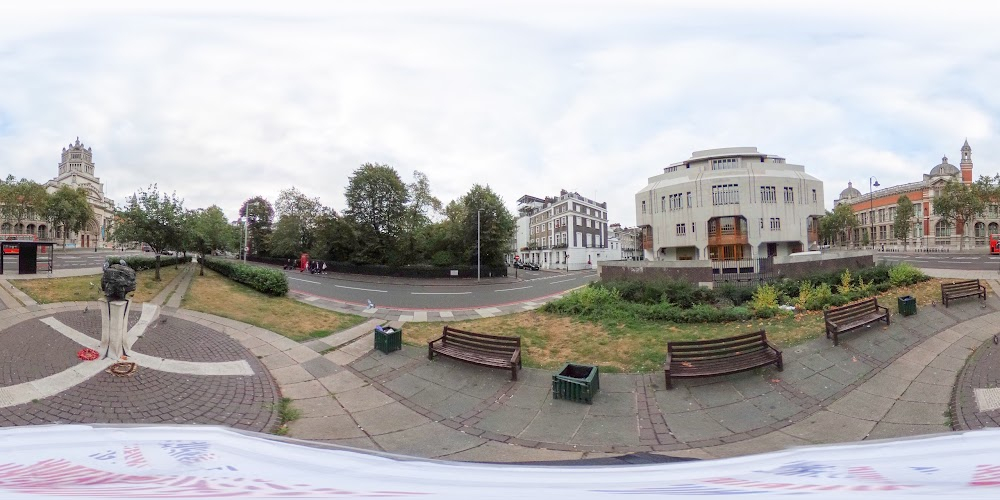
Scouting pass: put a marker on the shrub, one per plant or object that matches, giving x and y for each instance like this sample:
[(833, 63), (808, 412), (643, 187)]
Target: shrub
[(905, 274), (806, 293), (738, 295), (845, 282), (680, 293), (263, 279), (765, 297), (821, 297), (143, 263), (868, 288)]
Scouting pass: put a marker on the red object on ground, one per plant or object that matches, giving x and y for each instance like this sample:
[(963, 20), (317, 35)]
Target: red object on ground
[(303, 261), (87, 354)]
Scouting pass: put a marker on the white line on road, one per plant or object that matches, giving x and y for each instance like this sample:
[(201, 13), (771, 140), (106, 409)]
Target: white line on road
[(362, 289), (563, 281), (509, 289), (440, 293), (307, 281)]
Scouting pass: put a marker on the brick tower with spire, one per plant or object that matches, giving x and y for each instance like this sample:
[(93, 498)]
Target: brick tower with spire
[(966, 164)]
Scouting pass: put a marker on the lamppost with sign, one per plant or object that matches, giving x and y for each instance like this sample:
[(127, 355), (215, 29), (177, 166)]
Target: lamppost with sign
[(871, 208)]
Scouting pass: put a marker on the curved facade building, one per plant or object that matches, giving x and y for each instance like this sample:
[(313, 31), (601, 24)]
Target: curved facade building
[(729, 203), (876, 213)]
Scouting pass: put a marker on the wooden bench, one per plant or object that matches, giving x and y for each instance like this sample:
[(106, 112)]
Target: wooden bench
[(841, 319), (706, 358), (959, 289), (496, 351)]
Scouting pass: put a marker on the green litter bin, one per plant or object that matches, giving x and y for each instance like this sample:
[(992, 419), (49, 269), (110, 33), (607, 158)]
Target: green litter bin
[(578, 383), (907, 305), (388, 339)]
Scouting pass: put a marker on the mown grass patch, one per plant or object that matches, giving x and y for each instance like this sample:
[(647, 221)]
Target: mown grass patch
[(549, 339), (214, 294), (85, 288)]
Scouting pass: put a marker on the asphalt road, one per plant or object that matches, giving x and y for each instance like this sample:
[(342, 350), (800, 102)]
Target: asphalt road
[(444, 295), (965, 261), (69, 260)]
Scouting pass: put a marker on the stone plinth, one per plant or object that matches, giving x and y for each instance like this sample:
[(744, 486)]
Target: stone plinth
[(114, 327)]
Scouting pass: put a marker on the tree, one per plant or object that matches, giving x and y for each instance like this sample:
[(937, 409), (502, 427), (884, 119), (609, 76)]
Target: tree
[(335, 238), (838, 224), (421, 202), (486, 218), (298, 215), (904, 219), (959, 202), (259, 221), (151, 218), (376, 207), (21, 200), (209, 232), (69, 209)]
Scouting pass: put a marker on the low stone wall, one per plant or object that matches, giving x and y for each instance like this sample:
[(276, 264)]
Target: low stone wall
[(694, 271), (700, 271), (803, 265)]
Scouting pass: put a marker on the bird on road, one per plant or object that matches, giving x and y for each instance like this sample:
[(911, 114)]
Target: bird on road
[(370, 304)]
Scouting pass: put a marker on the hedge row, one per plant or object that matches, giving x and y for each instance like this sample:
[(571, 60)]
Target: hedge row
[(414, 271), (263, 279), (143, 263)]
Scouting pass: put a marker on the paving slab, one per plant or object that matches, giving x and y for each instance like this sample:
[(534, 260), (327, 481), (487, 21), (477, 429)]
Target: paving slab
[(509, 421), (862, 405), (303, 390), (324, 428), (773, 441), (921, 392), (324, 406), (392, 417), (886, 430), (342, 381), (363, 398), (695, 426), (908, 412), (291, 375), (429, 440), (553, 427), (741, 417), (607, 431), (492, 451), (829, 427)]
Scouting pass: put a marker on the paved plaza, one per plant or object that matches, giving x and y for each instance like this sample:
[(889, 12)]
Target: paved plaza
[(932, 372)]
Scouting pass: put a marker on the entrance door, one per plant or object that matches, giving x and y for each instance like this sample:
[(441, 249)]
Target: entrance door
[(772, 249)]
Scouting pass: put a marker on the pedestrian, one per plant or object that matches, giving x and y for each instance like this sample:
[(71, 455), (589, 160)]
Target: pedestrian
[(324, 267), (883, 247)]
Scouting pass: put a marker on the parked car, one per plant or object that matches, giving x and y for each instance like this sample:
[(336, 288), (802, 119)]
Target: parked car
[(532, 266), (166, 252), (518, 264)]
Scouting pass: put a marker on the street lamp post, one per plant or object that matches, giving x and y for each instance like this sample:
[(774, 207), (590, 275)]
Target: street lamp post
[(871, 208), (479, 245), (246, 234)]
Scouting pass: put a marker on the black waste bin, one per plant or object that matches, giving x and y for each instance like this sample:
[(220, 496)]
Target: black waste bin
[(907, 305)]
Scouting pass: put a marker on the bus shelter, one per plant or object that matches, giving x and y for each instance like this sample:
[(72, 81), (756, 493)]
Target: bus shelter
[(32, 256)]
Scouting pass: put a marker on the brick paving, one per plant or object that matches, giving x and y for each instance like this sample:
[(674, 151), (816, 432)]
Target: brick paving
[(31, 350), (981, 372)]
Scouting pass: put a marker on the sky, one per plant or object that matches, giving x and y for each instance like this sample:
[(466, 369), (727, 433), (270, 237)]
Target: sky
[(219, 102)]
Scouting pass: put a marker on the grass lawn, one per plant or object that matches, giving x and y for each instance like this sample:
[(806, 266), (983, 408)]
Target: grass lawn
[(548, 340), (215, 294), (84, 288)]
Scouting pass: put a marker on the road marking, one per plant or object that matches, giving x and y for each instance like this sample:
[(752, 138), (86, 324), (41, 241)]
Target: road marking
[(307, 281), (563, 281), (362, 289), (509, 289), (440, 293)]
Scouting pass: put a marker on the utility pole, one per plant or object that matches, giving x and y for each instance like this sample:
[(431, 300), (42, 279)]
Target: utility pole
[(479, 245)]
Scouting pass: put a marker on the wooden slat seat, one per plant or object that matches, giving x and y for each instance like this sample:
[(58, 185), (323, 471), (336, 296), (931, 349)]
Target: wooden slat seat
[(959, 289), (841, 319), (495, 351), (706, 358)]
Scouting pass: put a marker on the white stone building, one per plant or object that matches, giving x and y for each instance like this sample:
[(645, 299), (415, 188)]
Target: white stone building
[(76, 169), (567, 232), (729, 203)]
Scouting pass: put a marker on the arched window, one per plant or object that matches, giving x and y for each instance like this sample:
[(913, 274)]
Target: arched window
[(980, 230), (31, 229), (19, 228), (994, 228), (942, 229), (42, 232), (5, 228)]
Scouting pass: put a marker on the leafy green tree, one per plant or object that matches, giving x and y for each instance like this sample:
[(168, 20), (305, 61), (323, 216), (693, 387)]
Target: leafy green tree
[(209, 231), (494, 226), (959, 202), (152, 218), (69, 209), (335, 238), (904, 220), (418, 210), (259, 224), (376, 207), (298, 216), (21, 200), (838, 224)]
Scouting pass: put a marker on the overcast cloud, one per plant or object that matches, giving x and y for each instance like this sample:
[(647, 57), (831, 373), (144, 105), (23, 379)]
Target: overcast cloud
[(221, 103)]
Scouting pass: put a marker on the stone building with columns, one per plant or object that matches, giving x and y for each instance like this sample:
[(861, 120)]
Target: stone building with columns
[(876, 212), (76, 170)]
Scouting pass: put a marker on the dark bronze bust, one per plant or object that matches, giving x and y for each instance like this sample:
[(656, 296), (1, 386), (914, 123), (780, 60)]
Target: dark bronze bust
[(118, 280)]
